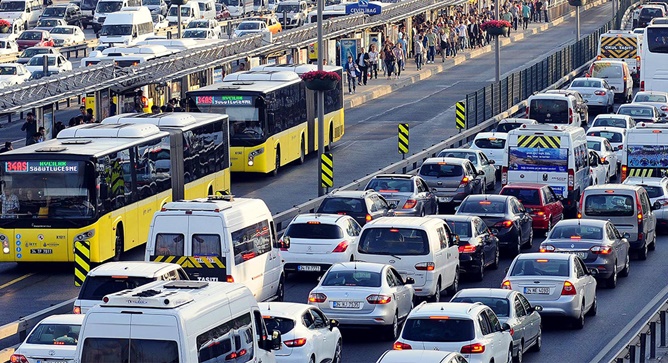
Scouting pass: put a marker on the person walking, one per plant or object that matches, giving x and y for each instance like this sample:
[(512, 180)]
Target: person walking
[(526, 12), (30, 127), (400, 58), (514, 11), (431, 44), (404, 47), (452, 40), (418, 48), (443, 37), (546, 5), (389, 57), (373, 60), (352, 71), (507, 16), (461, 34), (539, 10), (363, 64)]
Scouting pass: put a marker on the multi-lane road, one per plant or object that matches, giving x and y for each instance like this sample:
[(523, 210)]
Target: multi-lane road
[(370, 144)]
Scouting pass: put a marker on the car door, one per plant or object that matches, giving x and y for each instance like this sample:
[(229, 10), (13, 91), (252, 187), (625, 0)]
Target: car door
[(649, 215), (523, 328), (619, 254), (428, 198), (526, 222), (488, 247), (383, 207), (475, 179), (321, 335), (397, 293), (405, 291), (585, 281), (533, 319), (488, 167), (500, 342)]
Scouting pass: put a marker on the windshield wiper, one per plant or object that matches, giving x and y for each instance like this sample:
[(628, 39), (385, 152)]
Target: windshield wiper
[(395, 256)]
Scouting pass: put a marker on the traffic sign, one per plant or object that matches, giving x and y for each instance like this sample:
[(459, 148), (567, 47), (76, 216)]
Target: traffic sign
[(403, 138), (327, 175), (81, 261), (460, 115)]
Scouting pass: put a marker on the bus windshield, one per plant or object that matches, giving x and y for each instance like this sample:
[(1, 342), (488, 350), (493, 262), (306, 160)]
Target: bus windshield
[(45, 189), (246, 128)]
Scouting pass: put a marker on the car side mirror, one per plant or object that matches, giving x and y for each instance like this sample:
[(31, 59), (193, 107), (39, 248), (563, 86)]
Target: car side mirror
[(481, 172), (613, 88), (333, 323), (284, 242), (491, 161), (275, 342), (560, 198), (656, 206), (392, 206), (494, 231), (456, 208), (505, 327), (592, 271), (626, 235), (409, 281)]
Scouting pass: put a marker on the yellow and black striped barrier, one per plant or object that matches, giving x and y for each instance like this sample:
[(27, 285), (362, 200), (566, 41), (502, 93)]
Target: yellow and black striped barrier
[(460, 115), (81, 261), (647, 172), (192, 262), (327, 175), (540, 142), (403, 139)]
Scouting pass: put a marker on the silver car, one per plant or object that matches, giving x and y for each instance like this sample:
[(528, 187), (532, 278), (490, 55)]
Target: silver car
[(559, 282), (409, 193), (657, 99), (360, 294), (595, 92), (479, 160), (514, 309)]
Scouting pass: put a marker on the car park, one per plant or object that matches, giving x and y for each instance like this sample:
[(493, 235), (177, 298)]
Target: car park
[(70, 13), (596, 92), (432, 356), (409, 193), (512, 308), (13, 73), (451, 179), (66, 35), (581, 106), (604, 149), (657, 191), (480, 162), (49, 23), (34, 38), (53, 339), (474, 330), (539, 200), (493, 144), (508, 124), (657, 99), (361, 294), (558, 282), (8, 46), (641, 112), (504, 213), (55, 62), (598, 243), (598, 169), (618, 76), (422, 248), (307, 334), (478, 247), (364, 206), (314, 242)]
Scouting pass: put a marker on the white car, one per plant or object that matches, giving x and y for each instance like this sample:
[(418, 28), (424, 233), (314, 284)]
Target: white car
[(207, 24), (598, 170), (657, 191), (607, 153), (159, 22), (56, 63), (655, 98), (199, 34), (493, 144), (479, 160), (474, 330), (424, 356), (13, 73), (28, 53), (317, 241), (613, 120), (250, 27), (512, 123), (615, 135), (53, 339), (49, 23), (559, 282), (596, 92), (306, 333), (65, 35), (8, 46)]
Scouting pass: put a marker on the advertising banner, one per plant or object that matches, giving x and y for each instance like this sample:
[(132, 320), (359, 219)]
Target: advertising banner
[(648, 156), (538, 159)]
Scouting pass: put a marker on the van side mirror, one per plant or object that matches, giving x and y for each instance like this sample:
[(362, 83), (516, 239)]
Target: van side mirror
[(492, 162), (505, 327), (537, 308)]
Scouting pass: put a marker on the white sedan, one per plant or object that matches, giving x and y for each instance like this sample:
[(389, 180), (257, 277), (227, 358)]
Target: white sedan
[(616, 136), (65, 35), (207, 24), (658, 99), (479, 160), (199, 34), (13, 73), (307, 334), (56, 63), (598, 170), (595, 91), (54, 339), (607, 153)]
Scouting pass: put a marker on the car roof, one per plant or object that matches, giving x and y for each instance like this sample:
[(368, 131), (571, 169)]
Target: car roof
[(485, 292), (652, 93), (320, 217), (445, 160), (358, 265), (416, 355), (350, 193), (461, 149), (492, 197), (398, 222), (611, 115), (133, 268), (64, 319), (487, 135), (637, 104), (393, 176), (525, 186), (283, 309), (455, 217), (517, 120), (450, 309), (637, 180), (625, 187), (587, 221), (540, 255), (587, 79)]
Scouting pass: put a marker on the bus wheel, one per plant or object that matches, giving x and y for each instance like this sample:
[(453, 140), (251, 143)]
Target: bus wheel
[(302, 153), (278, 162), (118, 247)]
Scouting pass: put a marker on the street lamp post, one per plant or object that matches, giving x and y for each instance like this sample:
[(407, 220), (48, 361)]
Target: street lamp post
[(321, 100), (497, 47), (577, 24)]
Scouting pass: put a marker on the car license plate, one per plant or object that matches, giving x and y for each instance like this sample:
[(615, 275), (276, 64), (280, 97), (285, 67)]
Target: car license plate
[(41, 251), (537, 290), (346, 304), (308, 268), (582, 255), (51, 361), (444, 199)]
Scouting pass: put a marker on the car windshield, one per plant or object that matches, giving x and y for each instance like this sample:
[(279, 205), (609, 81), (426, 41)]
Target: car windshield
[(314, 230), (48, 23), (612, 122), (195, 34), (506, 127), (442, 170), (10, 6), (500, 306), (482, 207), (586, 83), (594, 145), (352, 278), (116, 30), (39, 61), (249, 26), (461, 228), (386, 185), (394, 241), (541, 267), (526, 196), (198, 24), (40, 74), (28, 35), (284, 325), (151, 2), (438, 330), (650, 98), (635, 111), (657, 39), (576, 232), (287, 8), (609, 205), (651, 12), (490, 143), (611, 136), (653, 191), (7, 70), (342, 205), (62, 30), (55, 334), (106, 7), (96, 287), (174, 11), (56, 12)]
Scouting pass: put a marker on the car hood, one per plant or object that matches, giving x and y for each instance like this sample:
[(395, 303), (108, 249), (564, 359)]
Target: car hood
[(8, 77)]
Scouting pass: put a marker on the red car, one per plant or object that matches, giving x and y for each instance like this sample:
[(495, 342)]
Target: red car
[(34, 38), (544, 205)]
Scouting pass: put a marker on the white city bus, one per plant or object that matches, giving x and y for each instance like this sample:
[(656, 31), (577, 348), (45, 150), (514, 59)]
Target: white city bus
[(654, 73)]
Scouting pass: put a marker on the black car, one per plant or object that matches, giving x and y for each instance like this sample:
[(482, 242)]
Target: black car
[(68, 12), (508, 218), (364, 206), (478, 247)]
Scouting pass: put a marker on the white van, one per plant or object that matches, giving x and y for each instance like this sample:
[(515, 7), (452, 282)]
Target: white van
[(177, 321), (25, 12), (220, 239), (645, 151), (548, 154), (295, 11), (189, 12), (127, 27), (239, 8), (423, 248), (554, 109), (207, 9), (621, 45), (618, 76), (106, 7)]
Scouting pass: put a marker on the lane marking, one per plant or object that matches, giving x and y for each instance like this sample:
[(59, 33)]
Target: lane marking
[(16, 280)]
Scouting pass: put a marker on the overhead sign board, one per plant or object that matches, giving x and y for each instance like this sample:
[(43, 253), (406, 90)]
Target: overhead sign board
[(363, 6)]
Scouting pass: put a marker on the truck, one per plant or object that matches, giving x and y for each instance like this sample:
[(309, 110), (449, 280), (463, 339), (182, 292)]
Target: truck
[(622, 45)]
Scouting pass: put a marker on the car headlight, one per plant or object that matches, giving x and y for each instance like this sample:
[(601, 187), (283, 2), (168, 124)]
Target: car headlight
[(253, 154)]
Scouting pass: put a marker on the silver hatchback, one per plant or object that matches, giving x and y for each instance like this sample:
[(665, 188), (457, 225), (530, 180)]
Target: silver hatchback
[(452, 179), (409, 193)]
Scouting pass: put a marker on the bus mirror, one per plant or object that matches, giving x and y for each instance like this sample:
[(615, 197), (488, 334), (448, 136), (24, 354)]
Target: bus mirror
[(104, 191)]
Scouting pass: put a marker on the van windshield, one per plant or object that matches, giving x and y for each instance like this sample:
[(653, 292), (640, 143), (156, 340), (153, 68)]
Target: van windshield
[(97, 350), (610, 71), (116, 30), (549, 111), (394, 241), (11, 6), (96, 287), (438, 330), (107, 7), (609, 205)]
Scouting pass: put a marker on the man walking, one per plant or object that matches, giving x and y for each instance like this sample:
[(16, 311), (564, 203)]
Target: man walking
[(352, 71), (526, 12), (431, 44), (30, 127)]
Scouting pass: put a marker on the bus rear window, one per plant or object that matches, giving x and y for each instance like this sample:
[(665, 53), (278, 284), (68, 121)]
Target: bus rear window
[(657, 40), (434, 329)]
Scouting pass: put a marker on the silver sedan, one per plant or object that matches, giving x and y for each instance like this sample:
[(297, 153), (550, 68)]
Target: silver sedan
[(409, 193), (479, 160), (363, 294), (595, 91)]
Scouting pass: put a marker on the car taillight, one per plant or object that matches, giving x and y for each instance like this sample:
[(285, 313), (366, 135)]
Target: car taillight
[(401, 346), (568, 289), (77, 309), (378, 299), (282, 245), (368, 218), (571, 179), (546, 248), (18, 358), (410, 203), (580, 206), (600, 93), (341, 247), (620, 147), (642, 85), (663, 202), (299, 342), (464, 182), (570, 115), (229, 278), (625, 170), (467, 249), (473, 348), (639, 209), (601, 250), (504, 176), (317, 297), (506, 285), (664, 108), (598, 57), (425, 266), (504, 224)]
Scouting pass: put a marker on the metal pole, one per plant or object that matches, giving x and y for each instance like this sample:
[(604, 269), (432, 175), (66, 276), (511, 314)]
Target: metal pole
[(45, 66), (497, 47), (321, 100), (577, 23), (614, 14), (179, 21)]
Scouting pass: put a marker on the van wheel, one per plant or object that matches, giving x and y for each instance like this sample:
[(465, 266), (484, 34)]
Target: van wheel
[(280, 292), (642, 253), (118, 244), (452, 289), (652, 246), (437, 295)]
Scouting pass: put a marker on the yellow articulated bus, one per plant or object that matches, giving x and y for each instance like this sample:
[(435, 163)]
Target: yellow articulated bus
[(102, 183), (273, 117)]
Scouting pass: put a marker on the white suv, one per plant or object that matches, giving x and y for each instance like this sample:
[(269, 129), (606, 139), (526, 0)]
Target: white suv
[(473, 330), (318, 241)]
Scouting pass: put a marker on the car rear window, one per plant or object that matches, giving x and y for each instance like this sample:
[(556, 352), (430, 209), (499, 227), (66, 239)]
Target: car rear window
[(576, 232), (500, 305), (490, 143), (586, 83), (482, 207), (612, 122), (508, 126), (651, 12), (611, 136), (342, 205), (391, 185), (526, 196), (541, 267), (594, 145), (459, 155), (96, 287), (55, 334), (314, 231), (284, 325), (653, 191), (606, 71), (352, 278), (635, 111), (549, 111), (394, 241), (609, 205), (435, 329), (442, 170), (650, 98), (462, 229)]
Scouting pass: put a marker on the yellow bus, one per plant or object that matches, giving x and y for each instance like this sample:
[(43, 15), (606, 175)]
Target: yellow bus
[(273, 117), (102, 183)]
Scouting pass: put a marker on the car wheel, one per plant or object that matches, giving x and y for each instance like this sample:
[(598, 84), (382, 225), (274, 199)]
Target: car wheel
[(495, 264), (519, 357), (509, 359), (455, 284), (337, 353), (593, 309), (529, 243), (627, 266), (611, 282), (579, 322), (437, 295), (515, 249), (280, 291), (549, 226), (393, 330), (312, 360), (480, 274), (642, 254), (538, 344), (422, 213), (483, 188)]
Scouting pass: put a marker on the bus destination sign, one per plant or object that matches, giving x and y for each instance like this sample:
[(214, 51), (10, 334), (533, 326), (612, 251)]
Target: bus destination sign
[(41, 167), (224, 100)]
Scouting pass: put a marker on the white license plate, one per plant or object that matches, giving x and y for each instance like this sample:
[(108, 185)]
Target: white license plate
[(582, 255), (308, 268), (537, 290), (346, 304), (444, 199), (51, 361)]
